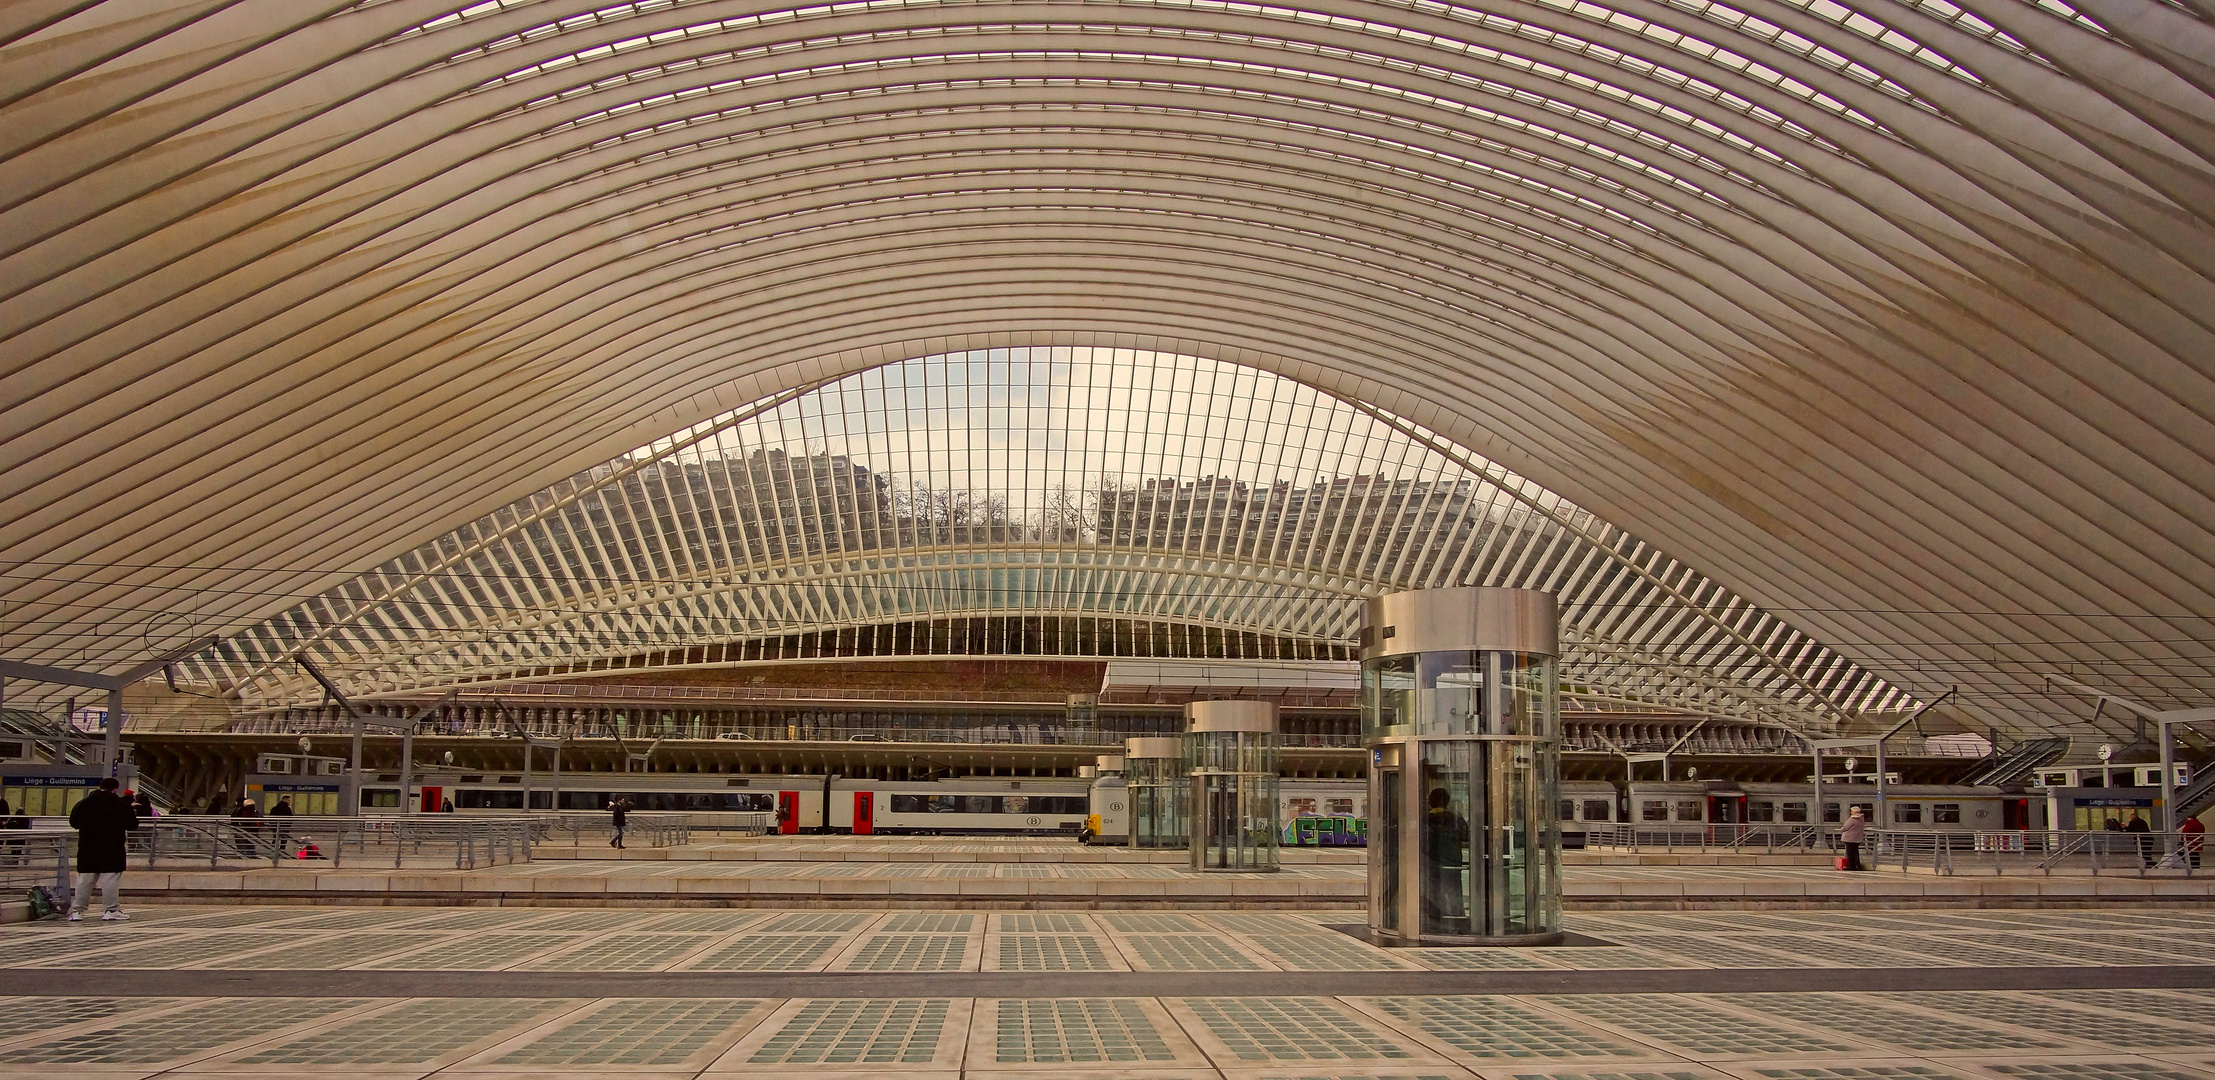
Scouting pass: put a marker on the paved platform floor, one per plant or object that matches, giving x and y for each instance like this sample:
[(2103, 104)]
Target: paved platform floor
[(1031, 882), (486, 992)]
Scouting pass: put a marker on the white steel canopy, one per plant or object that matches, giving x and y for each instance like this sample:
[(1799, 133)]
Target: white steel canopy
[(1893, 318)]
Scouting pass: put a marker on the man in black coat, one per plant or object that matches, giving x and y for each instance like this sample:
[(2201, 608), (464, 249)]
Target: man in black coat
[(101, 820)]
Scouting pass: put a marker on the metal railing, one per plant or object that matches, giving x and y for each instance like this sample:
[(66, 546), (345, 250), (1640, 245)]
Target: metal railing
[(1671, 837), (643, 830), (2045, 852), (426, 841), (30, 858)]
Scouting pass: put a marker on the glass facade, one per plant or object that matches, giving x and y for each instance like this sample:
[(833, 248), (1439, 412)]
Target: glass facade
[(1047, 502)]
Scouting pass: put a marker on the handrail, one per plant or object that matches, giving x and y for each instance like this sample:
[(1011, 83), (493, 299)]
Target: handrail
[(2043, 851)]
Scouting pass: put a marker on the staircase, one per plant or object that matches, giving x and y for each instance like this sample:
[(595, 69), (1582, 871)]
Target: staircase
[(53, 741), (2200, 793), (2017, 763)]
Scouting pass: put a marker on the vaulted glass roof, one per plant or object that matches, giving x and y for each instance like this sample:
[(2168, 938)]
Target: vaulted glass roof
[(1893, 314), (1119, 502)]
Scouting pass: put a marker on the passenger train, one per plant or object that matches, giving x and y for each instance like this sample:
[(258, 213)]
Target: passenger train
[(1063, 805)]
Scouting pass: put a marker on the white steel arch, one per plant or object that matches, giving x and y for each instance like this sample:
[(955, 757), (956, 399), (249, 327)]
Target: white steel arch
[(1892, 317)]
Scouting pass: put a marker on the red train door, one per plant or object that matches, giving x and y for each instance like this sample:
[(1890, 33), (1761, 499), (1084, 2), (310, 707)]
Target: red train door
[(2015, 813), (432, 799), (864, 823), (788, 812)]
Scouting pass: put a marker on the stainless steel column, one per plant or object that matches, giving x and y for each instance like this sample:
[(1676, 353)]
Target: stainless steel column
[(1461, 712), (1231, 752)]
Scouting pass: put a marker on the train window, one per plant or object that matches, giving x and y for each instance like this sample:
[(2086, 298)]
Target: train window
[(380, 797), (1760, 810), (1690, 810), (939, 804), (1655, 810), (1300, 807), (1795, 812), (1945, 813), (908, 804), (1568, 810), (473, 799), (980, 804), (1907, 813), (1830, 813), (1341, 806), (1599, 809)]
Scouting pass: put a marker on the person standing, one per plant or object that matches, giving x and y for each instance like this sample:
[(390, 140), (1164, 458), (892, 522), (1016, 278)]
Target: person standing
[(1853, 835), (619, 813), (102, 819), (2195, 836), (143, 805), (283, 807), (2137, 824)]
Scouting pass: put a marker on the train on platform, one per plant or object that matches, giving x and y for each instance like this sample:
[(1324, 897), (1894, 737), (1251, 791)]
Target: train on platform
[(1063, 805)]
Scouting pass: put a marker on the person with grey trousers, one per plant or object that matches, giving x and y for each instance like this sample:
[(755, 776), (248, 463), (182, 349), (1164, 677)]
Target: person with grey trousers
[(102, 819)]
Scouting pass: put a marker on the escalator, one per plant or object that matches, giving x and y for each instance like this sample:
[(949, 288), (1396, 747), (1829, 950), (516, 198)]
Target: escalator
[(2017, 763)]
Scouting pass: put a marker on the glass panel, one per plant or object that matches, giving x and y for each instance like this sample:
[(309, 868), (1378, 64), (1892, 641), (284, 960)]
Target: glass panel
[(1385, 838), (1450, 852), (1388, 696)]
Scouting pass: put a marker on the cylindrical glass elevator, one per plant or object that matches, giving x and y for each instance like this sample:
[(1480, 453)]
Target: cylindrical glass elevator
[(1461, 712), (1231, 750), (1154, 783)]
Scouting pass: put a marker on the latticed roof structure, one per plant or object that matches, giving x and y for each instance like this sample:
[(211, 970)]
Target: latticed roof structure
[(1051, 502), (1890, 320)]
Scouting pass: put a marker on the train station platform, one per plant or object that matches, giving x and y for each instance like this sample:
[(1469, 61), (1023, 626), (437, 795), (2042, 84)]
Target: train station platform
[(478, 994), (934, 873)]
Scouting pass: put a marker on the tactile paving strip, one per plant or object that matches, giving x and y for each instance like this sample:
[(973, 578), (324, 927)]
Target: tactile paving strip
[(623, 952), (815, 922), (1701, 1028), (1493, 1027), (178, 1034), (1080, 1030), (634, 1033), (2037, 1014), (1188, 952), (1053, 952), (930, 922), (419, 1031), (1291, 1029), (1323, 951), (22, 1016), (1045, 924), (479, 953), (848, 1032), (910, 952), (769, 952), (1860, 1014)]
